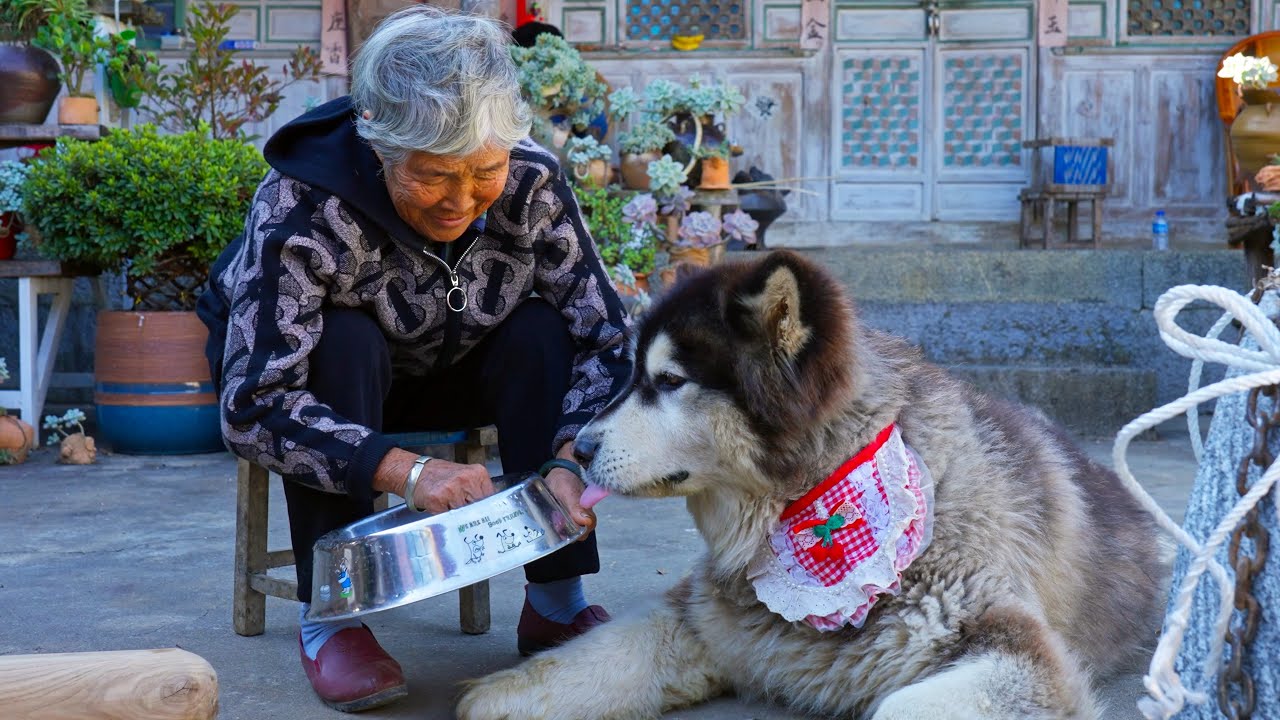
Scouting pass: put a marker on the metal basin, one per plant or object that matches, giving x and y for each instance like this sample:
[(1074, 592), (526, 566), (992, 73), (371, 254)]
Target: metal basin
[(399, 556)]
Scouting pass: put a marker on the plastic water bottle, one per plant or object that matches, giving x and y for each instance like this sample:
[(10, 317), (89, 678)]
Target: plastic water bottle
[(1160, 232)]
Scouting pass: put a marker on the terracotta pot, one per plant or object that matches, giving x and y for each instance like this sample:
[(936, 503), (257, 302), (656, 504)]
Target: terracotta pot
[(642, 284), (635, 170), (152, 384), (78, 111), (715, 174), (687, 141), (1255, 133), (10, 226), (17, 438), (29, 77), (700, 257), (594, 174)]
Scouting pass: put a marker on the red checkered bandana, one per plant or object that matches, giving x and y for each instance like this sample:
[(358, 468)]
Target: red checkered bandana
[(845, 543)]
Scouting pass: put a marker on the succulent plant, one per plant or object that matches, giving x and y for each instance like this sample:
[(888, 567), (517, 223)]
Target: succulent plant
[(648, 136), (677, 202), (12, 175), (665, 175), (699, 230), (740, 226), (662, 97), (554, 77), (582, 150), (623, 102), (641, 209)]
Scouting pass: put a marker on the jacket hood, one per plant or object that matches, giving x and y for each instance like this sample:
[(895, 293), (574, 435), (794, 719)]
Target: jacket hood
[(322, 149)]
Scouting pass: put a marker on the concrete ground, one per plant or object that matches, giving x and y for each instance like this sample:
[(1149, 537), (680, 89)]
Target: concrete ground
[(136, 552)]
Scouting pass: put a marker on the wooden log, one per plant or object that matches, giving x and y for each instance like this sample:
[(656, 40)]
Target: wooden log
[(163, 684)]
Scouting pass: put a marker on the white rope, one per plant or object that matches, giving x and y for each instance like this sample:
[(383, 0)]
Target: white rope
[(1167, 695)]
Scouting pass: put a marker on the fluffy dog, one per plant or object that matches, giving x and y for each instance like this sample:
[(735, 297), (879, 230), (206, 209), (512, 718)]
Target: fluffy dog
[(753, 382)]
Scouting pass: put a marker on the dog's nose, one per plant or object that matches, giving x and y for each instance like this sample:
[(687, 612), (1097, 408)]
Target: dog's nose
[(585, 447)]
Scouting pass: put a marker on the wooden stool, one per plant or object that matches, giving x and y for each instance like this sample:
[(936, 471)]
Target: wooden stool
[(1038, 209), (254, 560), (1068, 171)]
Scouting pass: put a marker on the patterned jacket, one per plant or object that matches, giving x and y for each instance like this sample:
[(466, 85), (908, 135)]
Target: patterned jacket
[(322, 232)]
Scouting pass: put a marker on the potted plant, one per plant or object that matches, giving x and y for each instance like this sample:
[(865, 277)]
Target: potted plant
[(714, 164), (666, 182), (28, 74), (1255, 133), (568, 94), (702, 236), (12, 175), (67, 33), (693, 114), (589, 160), (621, 240), (699, 113), (159, 208), (129, 71), (17, 438), (75, 447), (642, 142)]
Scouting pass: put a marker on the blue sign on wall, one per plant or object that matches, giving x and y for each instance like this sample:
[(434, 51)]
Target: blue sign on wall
[(1074, 165)]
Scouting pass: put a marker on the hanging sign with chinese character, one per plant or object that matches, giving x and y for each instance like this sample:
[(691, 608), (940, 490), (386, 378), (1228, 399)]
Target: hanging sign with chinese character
[(815, 16), (1053, 23), (333, 37)]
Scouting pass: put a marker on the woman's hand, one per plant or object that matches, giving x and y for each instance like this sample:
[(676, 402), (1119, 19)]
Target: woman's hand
[(568, 490), (444, 485)]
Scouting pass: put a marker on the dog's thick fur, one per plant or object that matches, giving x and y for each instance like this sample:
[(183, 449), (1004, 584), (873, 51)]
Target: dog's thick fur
[(752, 383)]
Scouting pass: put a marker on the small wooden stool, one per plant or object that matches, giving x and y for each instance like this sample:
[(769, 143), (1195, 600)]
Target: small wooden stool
[(254, 560), (1069, 171)]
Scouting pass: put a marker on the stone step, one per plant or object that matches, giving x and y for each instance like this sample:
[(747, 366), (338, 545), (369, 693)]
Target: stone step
[(1089, 401), (1124, 278)]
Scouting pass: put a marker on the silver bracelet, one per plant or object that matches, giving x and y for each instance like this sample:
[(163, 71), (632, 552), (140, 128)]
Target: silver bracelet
[(413, 481)]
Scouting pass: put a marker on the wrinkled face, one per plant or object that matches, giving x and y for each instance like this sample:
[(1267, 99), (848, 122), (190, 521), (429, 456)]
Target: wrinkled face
[(441, 195), (671, 432)]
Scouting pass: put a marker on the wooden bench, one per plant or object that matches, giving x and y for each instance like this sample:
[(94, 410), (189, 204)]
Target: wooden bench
[(253, 560), (1077, 170)]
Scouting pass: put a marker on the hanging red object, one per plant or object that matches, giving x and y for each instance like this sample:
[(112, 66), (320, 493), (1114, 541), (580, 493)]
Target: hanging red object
[(527, 11)]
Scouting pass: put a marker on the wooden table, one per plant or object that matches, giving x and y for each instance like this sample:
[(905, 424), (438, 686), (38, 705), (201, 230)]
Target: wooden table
[(37, 348), (14, 134)]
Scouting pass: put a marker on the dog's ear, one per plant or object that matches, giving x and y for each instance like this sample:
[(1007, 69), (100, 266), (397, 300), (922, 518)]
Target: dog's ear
[(780, 317), (798, 317), (777, 298)]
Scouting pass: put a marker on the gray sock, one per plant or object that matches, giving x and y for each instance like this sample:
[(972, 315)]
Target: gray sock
[(316, 634)]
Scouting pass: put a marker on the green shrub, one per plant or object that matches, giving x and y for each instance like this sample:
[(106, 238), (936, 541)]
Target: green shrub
[(160, 207)]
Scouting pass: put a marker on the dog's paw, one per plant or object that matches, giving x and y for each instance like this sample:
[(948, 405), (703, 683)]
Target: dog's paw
[(515, 694)]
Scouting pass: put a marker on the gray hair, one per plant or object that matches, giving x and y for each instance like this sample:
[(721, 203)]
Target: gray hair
[(437, 82)]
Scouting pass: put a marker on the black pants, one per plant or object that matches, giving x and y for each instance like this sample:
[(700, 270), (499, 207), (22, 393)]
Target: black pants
[(515, 379)]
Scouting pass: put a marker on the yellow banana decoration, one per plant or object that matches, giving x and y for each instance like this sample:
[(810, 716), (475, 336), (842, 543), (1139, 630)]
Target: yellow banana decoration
[(686, 42)]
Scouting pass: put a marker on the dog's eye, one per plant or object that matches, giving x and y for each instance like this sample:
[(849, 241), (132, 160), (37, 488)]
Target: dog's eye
[(667, 381)]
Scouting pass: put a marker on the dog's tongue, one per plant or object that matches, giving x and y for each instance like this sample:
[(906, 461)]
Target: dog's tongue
[(592, 495)]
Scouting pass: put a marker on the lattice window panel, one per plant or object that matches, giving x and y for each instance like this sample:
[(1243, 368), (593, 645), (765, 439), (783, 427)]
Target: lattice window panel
[(713, 19), (982, 98), (1188, 18), (880, 113)]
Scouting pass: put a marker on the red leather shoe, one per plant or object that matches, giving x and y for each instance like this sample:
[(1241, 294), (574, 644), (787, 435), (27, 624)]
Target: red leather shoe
[(535, 633), (352, 672)]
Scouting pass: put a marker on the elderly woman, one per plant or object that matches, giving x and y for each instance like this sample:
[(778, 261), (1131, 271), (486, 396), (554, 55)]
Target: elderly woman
[(414, 262)]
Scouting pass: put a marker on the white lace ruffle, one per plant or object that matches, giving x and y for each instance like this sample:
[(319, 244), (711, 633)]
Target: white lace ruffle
[(787, 588)]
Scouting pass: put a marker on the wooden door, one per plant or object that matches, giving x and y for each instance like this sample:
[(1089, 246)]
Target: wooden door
[(932, 104)]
